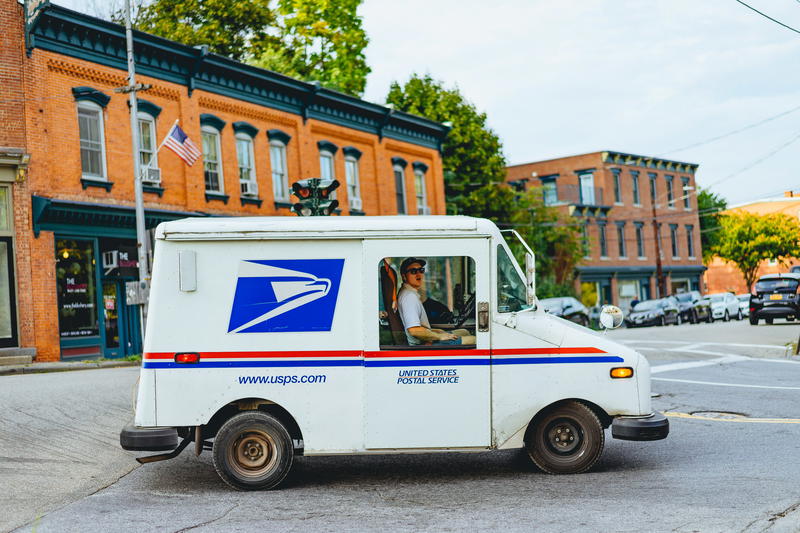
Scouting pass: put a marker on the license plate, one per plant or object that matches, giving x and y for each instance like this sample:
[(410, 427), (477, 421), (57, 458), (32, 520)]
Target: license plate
[(775, 296)]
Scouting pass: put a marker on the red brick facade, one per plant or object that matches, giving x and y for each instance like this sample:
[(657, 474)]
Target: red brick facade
[(612, 203), (38, 97)]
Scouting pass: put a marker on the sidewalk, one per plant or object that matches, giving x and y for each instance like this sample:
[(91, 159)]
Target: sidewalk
[(38, 368)]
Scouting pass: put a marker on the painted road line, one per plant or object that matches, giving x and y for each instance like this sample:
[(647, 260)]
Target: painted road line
[(738, 345), (740, 385), (742, 419), (697, 364), (686, 348)]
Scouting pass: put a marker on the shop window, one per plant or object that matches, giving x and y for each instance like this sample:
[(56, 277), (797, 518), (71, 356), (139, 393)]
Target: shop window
[(248, 186), (212, 161), (426, 302), (92, 141), (76, 289)]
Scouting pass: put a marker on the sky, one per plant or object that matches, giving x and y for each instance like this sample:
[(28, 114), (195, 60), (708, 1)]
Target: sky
[(645, 77)]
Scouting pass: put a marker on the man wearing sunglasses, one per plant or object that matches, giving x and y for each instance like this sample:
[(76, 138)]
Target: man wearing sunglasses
[(412, 313)]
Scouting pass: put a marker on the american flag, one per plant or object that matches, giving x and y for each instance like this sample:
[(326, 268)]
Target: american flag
[(181, 144)]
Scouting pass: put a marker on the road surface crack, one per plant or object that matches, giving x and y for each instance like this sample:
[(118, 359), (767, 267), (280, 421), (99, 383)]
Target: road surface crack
[(207, 522)]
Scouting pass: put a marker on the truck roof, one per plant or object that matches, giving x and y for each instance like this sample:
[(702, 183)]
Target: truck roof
[(335, 227)]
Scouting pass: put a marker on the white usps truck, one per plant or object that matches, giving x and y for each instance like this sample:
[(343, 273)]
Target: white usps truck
[(273, 337)]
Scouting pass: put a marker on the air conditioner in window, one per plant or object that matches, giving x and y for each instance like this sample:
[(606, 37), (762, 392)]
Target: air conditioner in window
[(423, 210), (249, 188), (151, 176), (355, 203)]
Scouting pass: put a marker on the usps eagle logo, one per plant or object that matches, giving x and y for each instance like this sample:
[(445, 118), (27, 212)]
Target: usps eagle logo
[(285, 295)]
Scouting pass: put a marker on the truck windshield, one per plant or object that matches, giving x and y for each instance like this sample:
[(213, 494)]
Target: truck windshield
[(511, 294)]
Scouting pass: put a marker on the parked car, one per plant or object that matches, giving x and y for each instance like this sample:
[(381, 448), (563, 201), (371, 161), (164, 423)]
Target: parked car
[(744, 303), (567, 307), (693, 307), (795, 269), (775, 297), (658, 312), (724, 305)]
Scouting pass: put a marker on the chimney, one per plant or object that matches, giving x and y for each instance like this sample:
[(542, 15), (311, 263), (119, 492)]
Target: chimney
[(788, 194)]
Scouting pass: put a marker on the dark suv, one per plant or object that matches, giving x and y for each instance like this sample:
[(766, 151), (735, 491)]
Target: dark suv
[(775, 297), (693, 307)]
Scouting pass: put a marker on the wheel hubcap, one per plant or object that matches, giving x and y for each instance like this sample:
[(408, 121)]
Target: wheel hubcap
[(253, 454), (563, 436)]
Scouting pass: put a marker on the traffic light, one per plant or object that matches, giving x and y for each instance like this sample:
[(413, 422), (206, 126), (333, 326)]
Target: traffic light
[(314, 195)]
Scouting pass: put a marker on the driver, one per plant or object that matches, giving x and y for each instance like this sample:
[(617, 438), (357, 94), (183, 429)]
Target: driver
[(412, 313)]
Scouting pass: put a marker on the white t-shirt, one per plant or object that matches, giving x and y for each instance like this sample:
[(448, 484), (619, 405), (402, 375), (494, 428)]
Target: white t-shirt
[(411, 312)]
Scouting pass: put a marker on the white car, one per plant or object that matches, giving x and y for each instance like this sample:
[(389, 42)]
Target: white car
[(725, 305), (744, 303)]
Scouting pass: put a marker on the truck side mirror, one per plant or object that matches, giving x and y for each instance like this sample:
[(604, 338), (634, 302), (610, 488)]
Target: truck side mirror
[(530, 279), (611, 317)]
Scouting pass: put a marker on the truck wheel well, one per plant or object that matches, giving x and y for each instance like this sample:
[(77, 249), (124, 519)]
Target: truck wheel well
[(252, 404), (604, 417)]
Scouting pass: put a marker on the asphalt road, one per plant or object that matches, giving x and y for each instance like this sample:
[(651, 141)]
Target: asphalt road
[(729, 464)]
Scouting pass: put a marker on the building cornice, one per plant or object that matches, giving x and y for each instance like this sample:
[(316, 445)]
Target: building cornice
[(656, 163), (67, 32)]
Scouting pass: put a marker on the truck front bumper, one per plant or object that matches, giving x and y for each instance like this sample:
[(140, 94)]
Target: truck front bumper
[(148, 439), (651, 427)]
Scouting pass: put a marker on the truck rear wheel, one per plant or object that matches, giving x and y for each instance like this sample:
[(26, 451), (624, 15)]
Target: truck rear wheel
[(253, 451), (568, 439)]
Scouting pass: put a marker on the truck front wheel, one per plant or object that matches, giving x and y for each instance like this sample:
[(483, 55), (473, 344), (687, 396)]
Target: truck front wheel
[(253, 451), (568, 439)]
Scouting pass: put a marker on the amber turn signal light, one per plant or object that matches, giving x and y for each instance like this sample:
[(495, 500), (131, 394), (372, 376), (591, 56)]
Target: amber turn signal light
[(622, 372)]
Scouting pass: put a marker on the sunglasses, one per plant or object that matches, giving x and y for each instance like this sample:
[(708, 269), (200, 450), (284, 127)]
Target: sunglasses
[(420, 270)]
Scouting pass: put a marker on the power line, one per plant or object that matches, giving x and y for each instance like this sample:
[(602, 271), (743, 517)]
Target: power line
[(767, 16), (756, 162), (734, 132)]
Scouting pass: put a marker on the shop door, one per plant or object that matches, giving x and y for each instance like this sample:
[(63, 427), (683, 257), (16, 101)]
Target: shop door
[(122, 337), (8, 305)]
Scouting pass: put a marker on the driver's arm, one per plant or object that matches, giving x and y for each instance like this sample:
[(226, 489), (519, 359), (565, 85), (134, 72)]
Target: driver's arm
[(428, 335)]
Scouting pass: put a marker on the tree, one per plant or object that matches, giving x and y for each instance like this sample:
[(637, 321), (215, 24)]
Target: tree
[(314, 40), (746, 240), (709, 206), (234, 28), (472, 154), (320, 40), (553, 237)]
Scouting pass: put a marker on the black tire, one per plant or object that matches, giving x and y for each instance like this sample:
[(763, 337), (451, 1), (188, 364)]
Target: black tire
[(710, 318), (693, 318), (740, 315), (753, 321), (663, 321), (253, 451), (567, 439), (727, 317), (768, 321), (678, 320)]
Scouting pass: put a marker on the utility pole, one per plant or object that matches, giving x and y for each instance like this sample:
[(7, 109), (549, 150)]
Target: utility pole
[(141, 232), (659, 270)]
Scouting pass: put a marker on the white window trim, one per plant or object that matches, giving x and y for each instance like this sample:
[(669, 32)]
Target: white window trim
[(101, 114), (253, 176), (217, 137), (285, 177), (399, 168), (324, 154), (423, 209), (353, 198)]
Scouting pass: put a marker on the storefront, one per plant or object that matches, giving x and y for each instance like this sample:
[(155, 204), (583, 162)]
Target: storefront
[(684, 278), (95, 255)]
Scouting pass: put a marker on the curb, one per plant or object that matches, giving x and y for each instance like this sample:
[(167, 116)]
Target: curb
[(41, 368)]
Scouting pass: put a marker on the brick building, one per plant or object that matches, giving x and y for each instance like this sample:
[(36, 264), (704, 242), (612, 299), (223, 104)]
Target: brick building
[(612, 196), (722, 276), (66, 165)]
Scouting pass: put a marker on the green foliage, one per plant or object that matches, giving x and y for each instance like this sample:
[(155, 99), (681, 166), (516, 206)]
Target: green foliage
[(233, 28), (472, 154), (709, 205), (320, 40), (314, 40), (746, 240)]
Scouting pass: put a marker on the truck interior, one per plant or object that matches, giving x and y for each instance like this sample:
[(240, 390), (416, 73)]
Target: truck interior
[(448, 296)]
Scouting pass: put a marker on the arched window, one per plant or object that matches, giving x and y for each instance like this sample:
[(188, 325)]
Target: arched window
[(212, 160), (245, 155), (92, 140)]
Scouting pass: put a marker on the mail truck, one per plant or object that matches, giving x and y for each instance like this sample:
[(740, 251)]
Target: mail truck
[(270, 338)]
